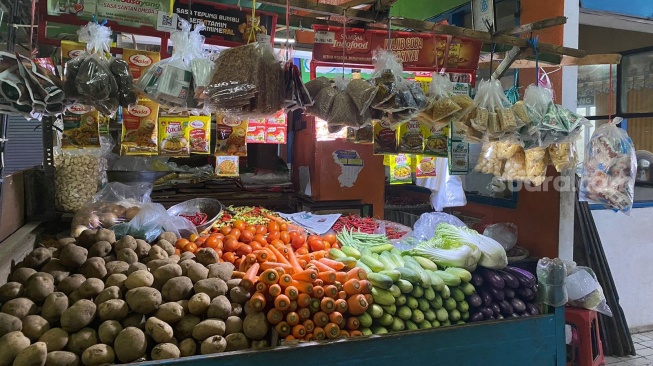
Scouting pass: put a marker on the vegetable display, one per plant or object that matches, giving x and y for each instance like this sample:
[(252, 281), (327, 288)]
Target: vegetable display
[(250, 215), (366, 225)]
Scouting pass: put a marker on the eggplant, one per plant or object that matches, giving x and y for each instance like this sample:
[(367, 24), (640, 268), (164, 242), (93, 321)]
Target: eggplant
[(474, 300), (495, 309), (532, 309), (525, 278), (499, 317), (476, 317), (491, 318), (477, 280), (486, 297), (506, 308), (509, 279), (518, 305), (497, 295), (510, 293), (487, 312), (525, 314), (493, 278), (525, 294)]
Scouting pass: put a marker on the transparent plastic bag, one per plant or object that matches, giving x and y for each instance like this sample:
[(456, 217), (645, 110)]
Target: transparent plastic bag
[(585, 291), (153, 220), (425, 226), (536, 101), (449, 192), (536, 165), (515, 167), (609, 168), (394, 93), (551, 276), (563, 156), (505, 233), (489, 161), (77, 176)]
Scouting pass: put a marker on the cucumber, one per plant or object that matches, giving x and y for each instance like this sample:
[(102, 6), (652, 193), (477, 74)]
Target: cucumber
[(411, 263), (418, 316), (394, 275), (461, 273), (426, 263), (423, 304), (376, 329), (387, 261), (450, 304), (435, 323), (425, 325), (418, 291), (409, 275), (400, 300), (467, 288), (380, 280), (382, 297), (442, 315), (405, 286), (395, 291), (460, 322), (464, 315), (366, 320), (398, 325), (336, 253), (457, 294), (390, 309), (448, 278), (429, 315), (437, 302), (386, 320), (446, 323), (374, 264), (351, 252), (350, 262), (366, 331), (397, 258), (446, 292), (365, 251), (404, 312), (364, 266), (429, 293), (454, 315), (375, 311), (411, 302), (436, 282), (382, 248), (463, 307), (411, 326)]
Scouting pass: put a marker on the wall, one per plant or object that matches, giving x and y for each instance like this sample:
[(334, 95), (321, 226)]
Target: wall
[(605, 40), (627, 243)]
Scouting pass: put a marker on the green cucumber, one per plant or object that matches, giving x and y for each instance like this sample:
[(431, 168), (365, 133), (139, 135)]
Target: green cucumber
[(450, 304), (426, 263), (429, 293), (435, 323), (461, 273), (463, 306), (366, 331), (351, 252), (442, 315), (418, 316), (366, 320), (350, 262), (400, 300), (418, 291), (446, 292), (457, 294), (428, 315), (464, 315), (382, 297), (467, 288), (425, 325), (398, 325), (436, 282), (446, 323), (376, 329), (364, 266), (409, 275), (374, 264), (365, 251), (437, 302), (448, 278), (454, 315), (411, 326), (405, 286), (404, 312), (394, 275), (336, 253), (386, 320), (387, 261), (375, 311), (382, 248), (460, 322), (380, 280), (411, 302), (423, 304), (397, 258), (390, 309), (395, 291)]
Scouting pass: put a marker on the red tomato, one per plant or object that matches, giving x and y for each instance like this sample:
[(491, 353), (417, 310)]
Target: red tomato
[(329, 238), (285, 237), (235, 233), (246, 236), (262, 230), (273, 235), (298, 241), (243, 249), (316, 245)]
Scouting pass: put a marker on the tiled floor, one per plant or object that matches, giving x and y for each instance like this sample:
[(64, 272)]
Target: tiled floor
[(643, 348)]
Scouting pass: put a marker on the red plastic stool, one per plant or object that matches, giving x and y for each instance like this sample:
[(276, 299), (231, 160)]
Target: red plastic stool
[(586, 324)]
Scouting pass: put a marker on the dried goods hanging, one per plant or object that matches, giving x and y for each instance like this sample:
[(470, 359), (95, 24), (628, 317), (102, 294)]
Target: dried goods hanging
[(297, 96)]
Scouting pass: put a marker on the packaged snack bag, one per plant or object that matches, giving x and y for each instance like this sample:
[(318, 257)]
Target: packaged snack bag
[(139, 129), (200, 134), (173, 136)]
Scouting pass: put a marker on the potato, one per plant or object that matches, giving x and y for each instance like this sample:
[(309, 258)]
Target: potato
[(169, 236), (75, 296), (143, 300), (10, 291), (134, 320), (62, 358), (94, 268), (184, 305), (159, 330), (187, 347), (37, 258), (105, 235), (215, 344), (156, 263), (138, 266), (55, 339), (236, 342), (236, 309), (165, 351), (91, 287), (73, 256), (186, 256), (11, 345), (54, 306), (167, 246), (117, 267), (164, 273), (98, 354), (34, 326), (79, 315), (126, 241), (179, 288), (9, 323), (186, 265), (115, 309), (234, 282), (116, 280), (39, 286), (206, 256), (213, 287), (142, 248), (220, 308), (127, 255), (184, 328), (130, 344), (63, 242), (34, 355), (170, 312), (174, 258), (109, 293), (100, 249), (260, 344), (110, 258), (71, 283), (239, 295), (234, 324), (198, 304), (81, 340), (56, 270), (21, 275), (156, 252), (197, 272), (208, 328), (140, 278), (255, 326), (108, 331), (223, 271), (19, 307)]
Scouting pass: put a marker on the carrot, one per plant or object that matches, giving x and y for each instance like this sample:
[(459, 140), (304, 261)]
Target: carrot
[(357, 304), (269, 277), (290, 338), (292, 259), (320, 319), (251, 276), (318, 282), (335, 317), (308, 275), (318, 292), (280, 270), (353, 323), (261, 255), (341, 305), (321, 266), (333, 264), (298, 331), (238, 274), (331, 291), (357, 273), (355, 333), (274, 316), (328, 277), (282, 302), (304, 300), (274, 290), (283, 329), (276, 265), (366, 287), (309, 325), (344, 334), (261, 287), (328, 305), (338, 285), (332, 330), (250, 258), (241, 263), (292, 318), (257, 301), (291, 292), (302, 263), (309, 337), (306, 257), (369, 298), (341, 277), (285, 280), (352, 287), (280, 257), (342, 295), (319, 254), (303, 287), (319, 333), (304, 313), (278, 220), (293, 306)]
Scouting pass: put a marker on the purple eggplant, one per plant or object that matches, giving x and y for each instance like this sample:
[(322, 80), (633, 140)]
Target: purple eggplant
[(525, 314), (499, 317), (509, 279), (474, 300), (525, 294), (486, 297), (506, 308), (510, 293), (525, 278), (497, 295), (476, 317), (477, 280), (518, 305), (493, 278), (487, 312), (532, 309), (495, 309)]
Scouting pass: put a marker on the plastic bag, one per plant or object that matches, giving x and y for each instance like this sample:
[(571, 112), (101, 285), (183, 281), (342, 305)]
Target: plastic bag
[(76, 178), (152, 221), (504, 232), (489, 161), (514, 168), (585, 291), (450, 192), (551, 276), (563, 156), (609, 168), (537, 100), (425, 226), (494, 113)]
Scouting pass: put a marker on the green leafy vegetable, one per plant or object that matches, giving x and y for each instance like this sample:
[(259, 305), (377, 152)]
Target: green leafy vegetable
[(492, 253)]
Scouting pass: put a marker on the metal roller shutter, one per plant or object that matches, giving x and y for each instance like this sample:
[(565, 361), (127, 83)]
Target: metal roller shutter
[(24, 147)]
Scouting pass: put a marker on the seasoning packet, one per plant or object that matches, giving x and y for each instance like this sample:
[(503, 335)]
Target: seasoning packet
[(230, 136), (275, 134), (435, 140), (385, 138), (400, 169), (425, 166), (80, 127), (227, 166), (200, 134), (139, 61), (70, 50), (411, 139), (173, 136), (256, 133), (458, 158), (139, 129)]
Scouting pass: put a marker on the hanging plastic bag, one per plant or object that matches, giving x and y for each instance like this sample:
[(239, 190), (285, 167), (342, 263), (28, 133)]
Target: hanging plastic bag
[(424, 229), (585, 291), (450, 192), (505, 233), (609, 168), (151, 221), (488, 161), (551, 276)]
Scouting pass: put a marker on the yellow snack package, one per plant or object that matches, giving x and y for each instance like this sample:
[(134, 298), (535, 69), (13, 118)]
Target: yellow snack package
[(173, 136), (230, 136), (200, 134), (435, 140), (411, 139), (139, 61), (400, 169), (227, 166), (139, 129), (425, 166), (80, 127)]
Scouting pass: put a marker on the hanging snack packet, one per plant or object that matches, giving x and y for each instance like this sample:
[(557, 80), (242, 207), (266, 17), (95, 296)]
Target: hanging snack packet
[(488, 161), (536, 165), (411, 139), (227, 166), (200, 134), (139, 61), (563, 156), (515, 167), (230, 137), (385, 138), (400, 169), (80, 127), (139, 129), (425, 166), (435, 140), (173, 136), (71, 50), (442, 105)]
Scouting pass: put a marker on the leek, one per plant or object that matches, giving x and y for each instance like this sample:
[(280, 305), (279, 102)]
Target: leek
[(493, 255)]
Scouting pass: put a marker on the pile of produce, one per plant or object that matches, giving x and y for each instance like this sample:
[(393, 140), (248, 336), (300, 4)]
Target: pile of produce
[(511, 292), (366, 225), (250, 215)]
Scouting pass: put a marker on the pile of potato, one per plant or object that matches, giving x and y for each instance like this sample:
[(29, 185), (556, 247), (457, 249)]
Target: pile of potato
[(96, 301)]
